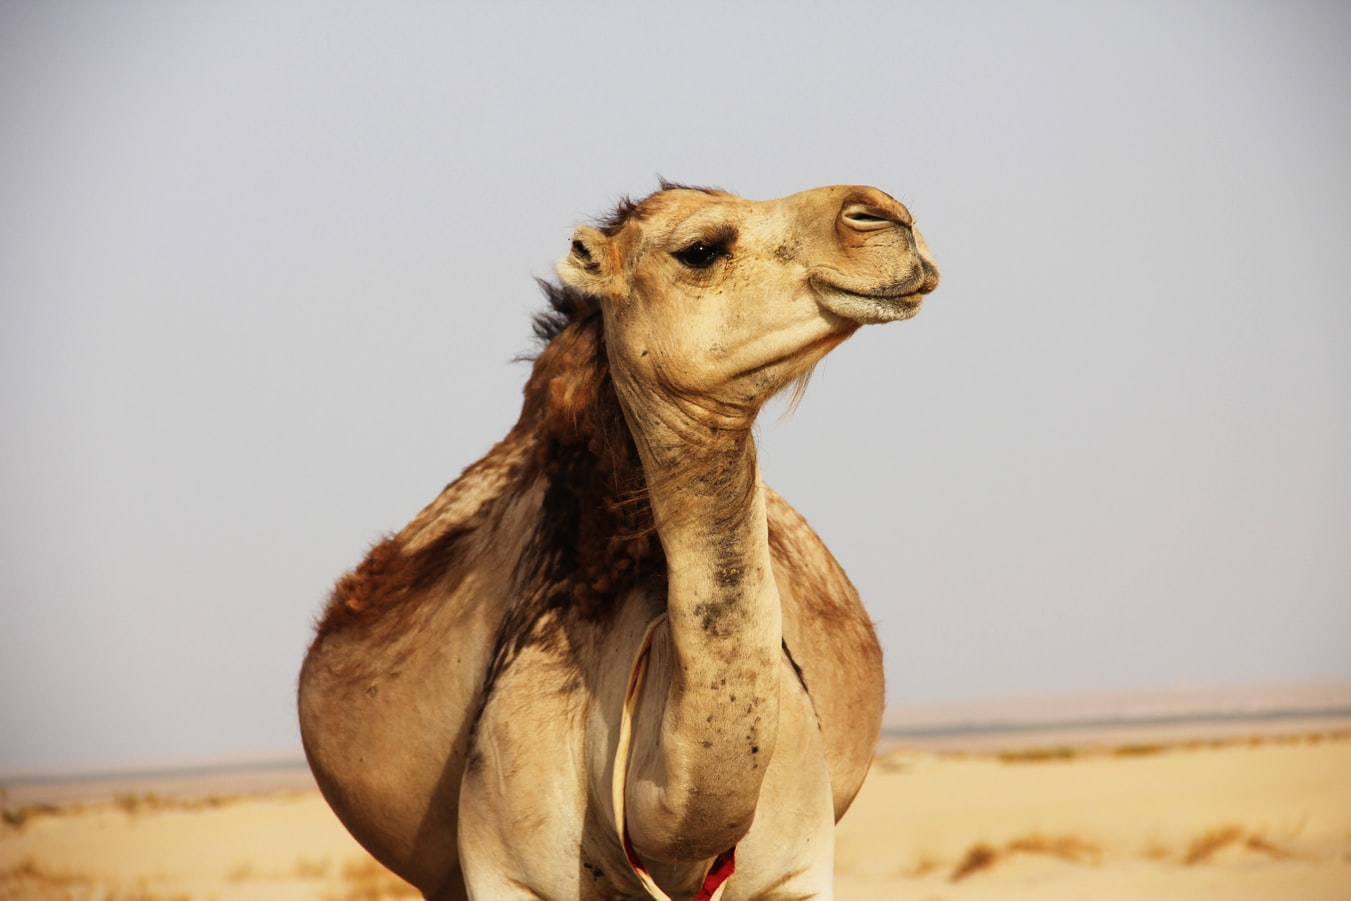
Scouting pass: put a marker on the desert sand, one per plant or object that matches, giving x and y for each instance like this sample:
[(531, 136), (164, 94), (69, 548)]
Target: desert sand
[(1255, 818)]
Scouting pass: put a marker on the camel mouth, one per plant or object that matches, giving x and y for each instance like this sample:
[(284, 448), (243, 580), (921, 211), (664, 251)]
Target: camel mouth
[(903, 294), (908, 287), (885, 303), (885, 296)]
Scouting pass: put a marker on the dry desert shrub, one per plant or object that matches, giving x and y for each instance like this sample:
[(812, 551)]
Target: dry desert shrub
[(978, 857), (1068, 848), (1212, 841), (133, 803), (367, 880), (1142, 749), (27, 877), (32, 882), (18, 817), (1058, 754), (1066, 753), (1209, 843), (1064, 847), (1260, 844)]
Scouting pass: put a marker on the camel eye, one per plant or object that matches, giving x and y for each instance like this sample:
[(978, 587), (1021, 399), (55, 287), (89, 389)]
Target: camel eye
[(701, 254)]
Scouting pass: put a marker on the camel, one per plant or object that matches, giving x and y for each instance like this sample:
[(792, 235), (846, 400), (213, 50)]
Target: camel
[(607, 661)]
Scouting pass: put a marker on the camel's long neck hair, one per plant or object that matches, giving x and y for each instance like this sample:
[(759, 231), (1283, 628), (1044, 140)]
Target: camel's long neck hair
[(596, 506)]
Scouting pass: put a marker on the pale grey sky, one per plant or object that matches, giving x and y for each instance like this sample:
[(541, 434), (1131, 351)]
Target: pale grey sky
[(264, 268)]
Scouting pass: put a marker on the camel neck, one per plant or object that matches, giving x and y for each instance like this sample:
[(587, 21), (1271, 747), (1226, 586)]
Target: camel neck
[(709, 507), (708, 504), (720, 719)]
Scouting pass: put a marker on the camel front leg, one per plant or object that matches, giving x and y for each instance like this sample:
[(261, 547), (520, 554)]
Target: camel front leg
[(490, 872), (504, 851), (522, 806)]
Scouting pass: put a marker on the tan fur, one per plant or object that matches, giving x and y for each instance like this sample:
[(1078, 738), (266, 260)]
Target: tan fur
[(460, 702)]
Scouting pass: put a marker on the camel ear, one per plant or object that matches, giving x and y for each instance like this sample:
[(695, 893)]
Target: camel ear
[(584, 268)]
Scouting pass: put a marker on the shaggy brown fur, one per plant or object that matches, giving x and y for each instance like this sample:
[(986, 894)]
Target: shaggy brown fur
[(597, 535)]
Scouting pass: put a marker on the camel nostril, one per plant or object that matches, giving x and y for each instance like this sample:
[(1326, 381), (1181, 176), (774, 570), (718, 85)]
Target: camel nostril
[(863, 218), (866, 215)]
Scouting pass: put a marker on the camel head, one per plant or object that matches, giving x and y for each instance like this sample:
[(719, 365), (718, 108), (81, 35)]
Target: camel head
[(721, 302)]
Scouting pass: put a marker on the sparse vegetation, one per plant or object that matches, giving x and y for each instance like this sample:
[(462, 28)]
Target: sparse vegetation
[(1139, 750), (1209, 843), (137, 802), (1064, 847), (978, 857), (1260, 845), (12, 816), (1063, 753), (1071, 849), (1056, 754), (18, 817), (28, 880), (1068, 848), (1227, 844), (366, 880)]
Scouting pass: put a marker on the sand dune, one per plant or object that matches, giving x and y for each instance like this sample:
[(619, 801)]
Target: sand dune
[(1262, 818)]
